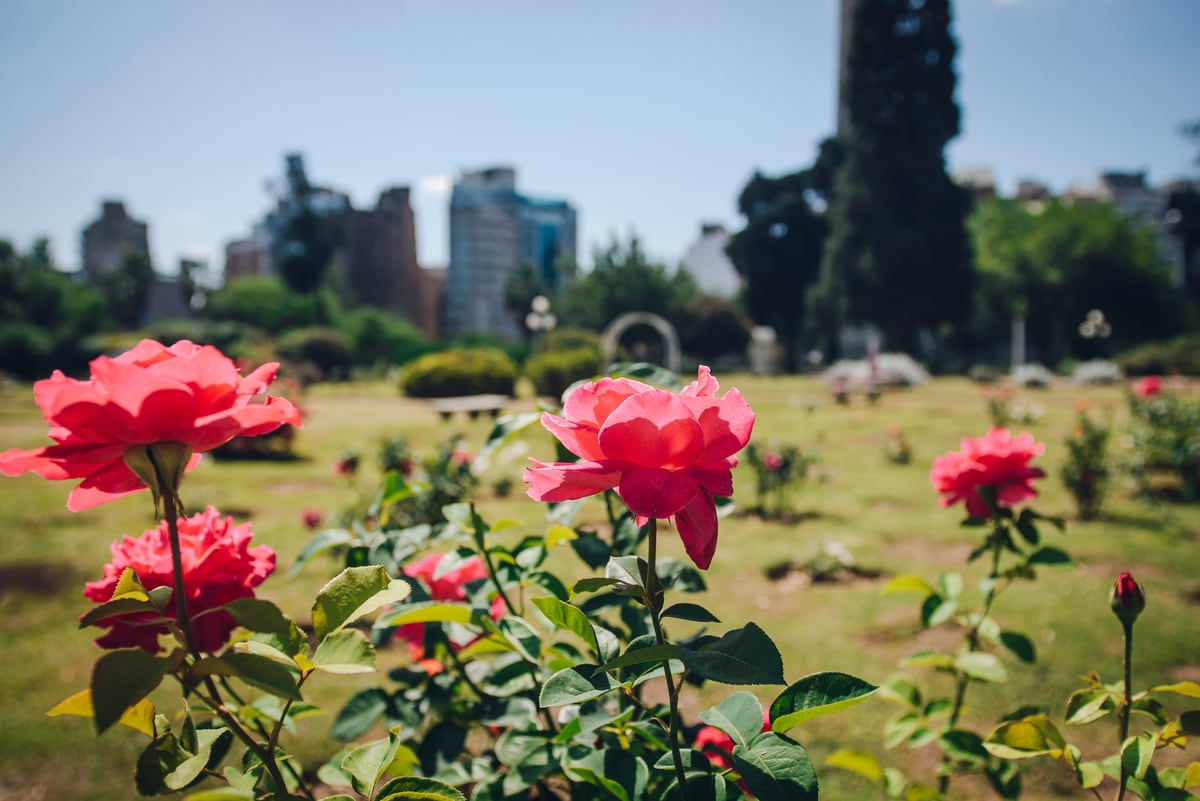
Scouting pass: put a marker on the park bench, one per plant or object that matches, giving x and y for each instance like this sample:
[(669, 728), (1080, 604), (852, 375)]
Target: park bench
[(472, 405)]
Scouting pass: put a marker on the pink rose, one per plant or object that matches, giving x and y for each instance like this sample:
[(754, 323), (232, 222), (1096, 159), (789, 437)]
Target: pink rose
[(219, 566), (996, 460), (446, 587), (186, 394), (666, 455)]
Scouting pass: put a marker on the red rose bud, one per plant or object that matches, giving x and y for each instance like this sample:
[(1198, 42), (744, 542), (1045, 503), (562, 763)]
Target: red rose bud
[(1128, 599)]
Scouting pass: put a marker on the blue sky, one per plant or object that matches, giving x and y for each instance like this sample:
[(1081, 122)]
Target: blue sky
[(648, 116)]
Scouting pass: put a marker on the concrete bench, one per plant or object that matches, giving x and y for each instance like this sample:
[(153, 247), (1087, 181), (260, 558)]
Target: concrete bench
[(472, 405)]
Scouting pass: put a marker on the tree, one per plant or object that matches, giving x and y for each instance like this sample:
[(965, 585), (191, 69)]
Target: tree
[(778, 253), (1054, 266), (46, 318), (127, 288), (267, 304), (898, 254), (520, 288), (306, 235)]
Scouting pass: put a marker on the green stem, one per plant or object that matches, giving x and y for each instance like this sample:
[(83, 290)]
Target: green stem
[(672, 690), (171, 508), (1126, 702), (972, 636)]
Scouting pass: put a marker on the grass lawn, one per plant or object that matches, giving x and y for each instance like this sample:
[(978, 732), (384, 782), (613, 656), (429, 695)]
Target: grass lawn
[(885, 514)]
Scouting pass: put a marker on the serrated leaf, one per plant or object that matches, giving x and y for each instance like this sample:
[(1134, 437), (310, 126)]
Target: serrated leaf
[(139, 717), (319, 543), (640, 656), (776, 769), (742, 656), (1084, 706), (367, 763), (816, 695), (1020, 739), (692, 612), (569, 618), (129, 586), (418, 788), (860, 762), (121, 606), (360, 713), (346, 651), (263, 673), (426, 612), (740, 716), (575, 685), (907, 582), (354, 592), (120, 679)]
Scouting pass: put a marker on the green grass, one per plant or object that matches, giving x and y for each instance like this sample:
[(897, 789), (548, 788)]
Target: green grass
[(886, 514)]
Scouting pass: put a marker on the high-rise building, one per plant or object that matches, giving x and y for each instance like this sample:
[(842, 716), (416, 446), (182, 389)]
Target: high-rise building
[(109, 239), (493, 228)]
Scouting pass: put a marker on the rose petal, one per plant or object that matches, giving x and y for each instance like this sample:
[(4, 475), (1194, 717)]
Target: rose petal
[(654, 492), (697, 525)]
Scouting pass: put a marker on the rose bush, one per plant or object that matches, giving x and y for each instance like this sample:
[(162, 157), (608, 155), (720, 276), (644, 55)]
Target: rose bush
[(666, 455), (219, 566), (187, 394)]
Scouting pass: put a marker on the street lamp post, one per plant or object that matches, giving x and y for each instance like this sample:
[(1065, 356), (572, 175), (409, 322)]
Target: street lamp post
[(540, 319)]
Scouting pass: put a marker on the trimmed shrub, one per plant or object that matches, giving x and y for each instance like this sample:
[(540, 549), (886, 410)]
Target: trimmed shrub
[(462, 371), (552, 372), (325, 349), (1179, 355), (379, 337)]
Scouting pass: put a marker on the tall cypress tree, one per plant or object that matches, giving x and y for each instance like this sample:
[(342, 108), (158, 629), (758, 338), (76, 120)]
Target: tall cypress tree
[(898, 255)]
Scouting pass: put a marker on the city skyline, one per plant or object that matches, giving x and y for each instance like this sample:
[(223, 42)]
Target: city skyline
[(647, 119)]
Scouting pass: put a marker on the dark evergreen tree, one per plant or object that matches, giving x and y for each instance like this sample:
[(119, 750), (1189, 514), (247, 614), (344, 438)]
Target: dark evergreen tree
[(898, 254), (778, 253)]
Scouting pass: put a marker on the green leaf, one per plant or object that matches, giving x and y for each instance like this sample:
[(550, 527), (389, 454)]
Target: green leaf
[(418, 788), (233, 794), (522, 637), (139, 717), (1021, 646), (1033, 736), (129, 586), (263, 617), (1088, 774), (860, 762), (354, 592), (902, 691), (740, 716), (928, 659), (693, 612), (120, 679), (1049, 556), (1084, 706), (426, 612), (627, 570), (776, 769), (593, 584), (936, 610), (575, 685), (640, 656), (1136, 754), (961, 745), (1189, 688), (367, 763), (907, 582), (695, 763), (569, 618), (190, 769), (951, 584), (816, 695), (360, 713), (263, 673), (742, 656), (121, 606), (980, 665), (345, 651), (319, 543)]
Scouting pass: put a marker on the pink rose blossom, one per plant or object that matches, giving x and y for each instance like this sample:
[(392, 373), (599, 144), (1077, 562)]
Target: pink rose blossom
[(998, 460), (188, 394), (219, 566), (666, 455)]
